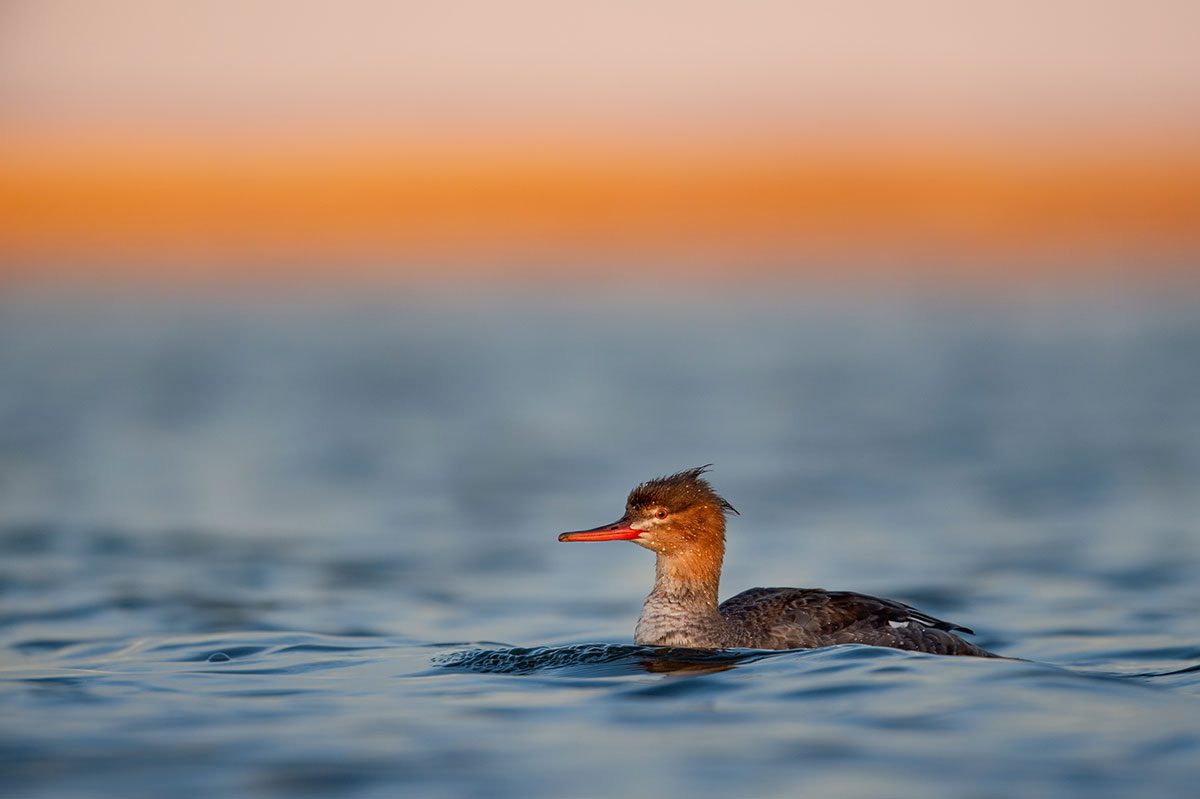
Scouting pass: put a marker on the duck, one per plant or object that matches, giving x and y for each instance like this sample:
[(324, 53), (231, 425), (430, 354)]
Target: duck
[(682, 520)]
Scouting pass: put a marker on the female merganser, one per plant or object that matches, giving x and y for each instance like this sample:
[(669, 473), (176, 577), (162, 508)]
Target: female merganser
[(682, 520)]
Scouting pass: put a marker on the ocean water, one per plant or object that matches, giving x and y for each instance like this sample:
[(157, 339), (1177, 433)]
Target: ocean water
[(307, 548)]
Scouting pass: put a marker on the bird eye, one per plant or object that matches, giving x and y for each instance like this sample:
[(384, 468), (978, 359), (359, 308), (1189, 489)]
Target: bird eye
[(661, 513)]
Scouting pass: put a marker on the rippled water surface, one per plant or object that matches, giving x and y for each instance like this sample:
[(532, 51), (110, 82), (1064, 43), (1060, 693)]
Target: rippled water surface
[(310, 549)]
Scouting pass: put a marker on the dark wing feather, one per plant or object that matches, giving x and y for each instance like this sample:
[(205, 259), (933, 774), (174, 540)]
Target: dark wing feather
[(811, 617), (912, 614)]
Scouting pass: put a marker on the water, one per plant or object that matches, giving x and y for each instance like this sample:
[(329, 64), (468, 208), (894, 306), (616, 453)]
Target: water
[(309, 549)]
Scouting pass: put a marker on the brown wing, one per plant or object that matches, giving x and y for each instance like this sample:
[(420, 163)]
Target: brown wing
[(786, 618)]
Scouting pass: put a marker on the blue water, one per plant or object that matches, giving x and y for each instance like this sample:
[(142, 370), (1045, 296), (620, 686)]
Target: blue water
[(308, 548)]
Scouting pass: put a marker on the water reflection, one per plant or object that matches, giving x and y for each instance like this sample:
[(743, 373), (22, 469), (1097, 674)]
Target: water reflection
[(596, 659)]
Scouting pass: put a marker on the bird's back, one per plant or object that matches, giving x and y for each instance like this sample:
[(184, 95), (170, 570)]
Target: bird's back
[(804, 618)]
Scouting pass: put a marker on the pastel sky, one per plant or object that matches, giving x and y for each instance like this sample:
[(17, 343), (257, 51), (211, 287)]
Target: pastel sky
[(1044, 64)]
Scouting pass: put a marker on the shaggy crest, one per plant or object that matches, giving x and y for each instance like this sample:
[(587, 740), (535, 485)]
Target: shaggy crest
[(678, 491)]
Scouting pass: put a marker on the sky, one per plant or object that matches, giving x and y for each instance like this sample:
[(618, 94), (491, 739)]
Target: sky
[(1016, 64), (842, 99)]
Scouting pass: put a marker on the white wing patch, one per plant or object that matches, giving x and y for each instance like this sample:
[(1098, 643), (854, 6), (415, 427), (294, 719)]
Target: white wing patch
[(898, 624)]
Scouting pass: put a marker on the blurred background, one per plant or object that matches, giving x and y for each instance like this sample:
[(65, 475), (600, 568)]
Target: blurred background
[(319, 321), (447, 278), (392, 200), (462, 141)]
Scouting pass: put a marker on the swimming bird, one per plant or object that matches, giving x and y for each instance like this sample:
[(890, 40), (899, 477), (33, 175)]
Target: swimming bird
[(682, 520)]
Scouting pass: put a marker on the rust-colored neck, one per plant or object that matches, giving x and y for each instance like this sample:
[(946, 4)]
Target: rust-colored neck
[(690, 568)]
